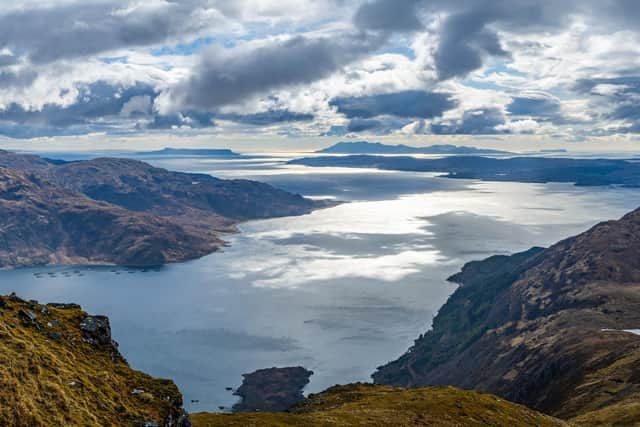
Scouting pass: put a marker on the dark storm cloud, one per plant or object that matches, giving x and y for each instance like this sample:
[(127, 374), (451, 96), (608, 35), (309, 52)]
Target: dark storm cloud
[(360, 125), (389, 15), (96, 104), (67, 31), (188, 119), (227, 77), (540, 108), (409, 104), (464, 43), (625, 85), (381, 126), (620, 96), (474, 122), (266, 118), (15, 79)]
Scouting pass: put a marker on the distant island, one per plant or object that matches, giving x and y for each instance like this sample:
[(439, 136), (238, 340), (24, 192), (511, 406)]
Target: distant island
[(364, 147), (273, 389), (582, 172), (123, 211), (168, 151)]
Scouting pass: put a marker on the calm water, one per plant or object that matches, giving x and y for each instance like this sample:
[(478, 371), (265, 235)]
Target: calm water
[(339, 291)]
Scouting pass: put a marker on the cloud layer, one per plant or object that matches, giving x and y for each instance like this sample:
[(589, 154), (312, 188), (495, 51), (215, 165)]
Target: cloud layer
[(564, 70)]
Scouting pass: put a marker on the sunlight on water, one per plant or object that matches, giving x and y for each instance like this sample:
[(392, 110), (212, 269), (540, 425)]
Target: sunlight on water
[(339, 291)]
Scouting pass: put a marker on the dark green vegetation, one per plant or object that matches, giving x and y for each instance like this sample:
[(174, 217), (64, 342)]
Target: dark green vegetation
[(119, 211), (584, 172), (60, 367), (543, 328)]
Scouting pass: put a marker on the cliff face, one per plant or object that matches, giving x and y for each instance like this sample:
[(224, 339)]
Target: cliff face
[(544, 328), (60, 367), (367, 405), (120, 211)]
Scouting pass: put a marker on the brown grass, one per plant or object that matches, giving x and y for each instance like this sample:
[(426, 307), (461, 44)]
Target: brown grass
[(36, 372), (368, 405)]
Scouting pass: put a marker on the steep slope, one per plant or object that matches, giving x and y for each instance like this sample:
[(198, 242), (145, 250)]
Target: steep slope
[(543, 328), (120, 211), (24, 162), (60, 367), (40, 223), (369, 405), (191, 199)]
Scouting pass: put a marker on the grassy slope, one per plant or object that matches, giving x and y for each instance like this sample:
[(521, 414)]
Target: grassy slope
[(368, 405), (36, 371)]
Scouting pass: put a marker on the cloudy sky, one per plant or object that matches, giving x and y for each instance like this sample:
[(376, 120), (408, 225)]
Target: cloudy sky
[(297, 73)]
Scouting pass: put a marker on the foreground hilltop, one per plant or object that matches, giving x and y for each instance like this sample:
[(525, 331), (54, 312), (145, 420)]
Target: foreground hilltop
[(60, 367), (121, 211), (552, 329), (367, 405)]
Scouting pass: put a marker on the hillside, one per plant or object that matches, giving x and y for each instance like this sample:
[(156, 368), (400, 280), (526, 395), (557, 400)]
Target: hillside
[(60, 367), (545, 328), (367, 405), (184, 197), (120, 211), (41, 223)]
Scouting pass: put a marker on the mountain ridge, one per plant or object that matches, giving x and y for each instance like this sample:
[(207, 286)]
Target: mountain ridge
[(543, 328), (365, 147), (123, 211), (581, 172)]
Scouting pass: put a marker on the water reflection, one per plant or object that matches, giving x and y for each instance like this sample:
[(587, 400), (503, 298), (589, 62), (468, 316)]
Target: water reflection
[(339, 291)]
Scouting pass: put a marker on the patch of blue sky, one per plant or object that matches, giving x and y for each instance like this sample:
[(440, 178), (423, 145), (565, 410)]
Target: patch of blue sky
[(186, 49), (401, 50), (482, 84), (115, 60), (503, 67)]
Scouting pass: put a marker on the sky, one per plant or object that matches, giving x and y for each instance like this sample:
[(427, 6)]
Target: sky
[(289, 74)]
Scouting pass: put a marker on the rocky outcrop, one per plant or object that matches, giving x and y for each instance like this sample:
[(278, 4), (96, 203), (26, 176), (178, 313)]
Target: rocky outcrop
[(545, 328), (274, 389), (60, 367)]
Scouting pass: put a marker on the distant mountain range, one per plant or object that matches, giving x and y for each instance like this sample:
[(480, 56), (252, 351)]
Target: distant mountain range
[(583, 172), (121, 211), (168, 151), (364, 147), (555, 329)]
